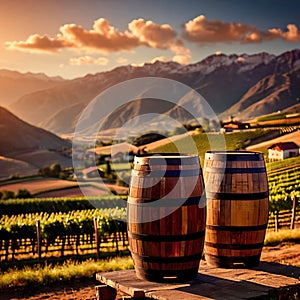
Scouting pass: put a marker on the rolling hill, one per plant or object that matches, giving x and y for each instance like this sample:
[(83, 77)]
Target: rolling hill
[(12, 167), (18, 136)]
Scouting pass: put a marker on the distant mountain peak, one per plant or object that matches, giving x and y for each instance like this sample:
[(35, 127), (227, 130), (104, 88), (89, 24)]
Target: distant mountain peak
[(291, 58), (29, 75)]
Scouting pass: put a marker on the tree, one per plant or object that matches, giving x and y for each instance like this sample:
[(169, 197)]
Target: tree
[(55, 169), (45, 172), (23, 193), (7, 195), (62, 175)]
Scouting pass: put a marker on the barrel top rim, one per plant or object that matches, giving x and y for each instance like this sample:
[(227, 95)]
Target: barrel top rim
[(165, 155), (232, 152)]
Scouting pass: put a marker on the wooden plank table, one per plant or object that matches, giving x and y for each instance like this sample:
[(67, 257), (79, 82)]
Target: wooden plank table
[(263, 282)]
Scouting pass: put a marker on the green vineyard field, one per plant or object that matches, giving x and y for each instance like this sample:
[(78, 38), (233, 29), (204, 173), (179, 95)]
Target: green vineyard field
[(60, 228), (60, 204), (69, 223)]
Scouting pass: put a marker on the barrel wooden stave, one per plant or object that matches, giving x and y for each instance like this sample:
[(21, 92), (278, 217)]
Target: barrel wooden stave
[(172, 244), (237, 208)]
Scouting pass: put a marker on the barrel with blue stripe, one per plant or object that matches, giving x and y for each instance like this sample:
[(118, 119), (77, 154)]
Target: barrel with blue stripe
[(166, 214), (237, 208)]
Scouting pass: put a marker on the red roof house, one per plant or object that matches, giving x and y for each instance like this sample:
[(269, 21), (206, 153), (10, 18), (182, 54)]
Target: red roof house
[(283, 150)]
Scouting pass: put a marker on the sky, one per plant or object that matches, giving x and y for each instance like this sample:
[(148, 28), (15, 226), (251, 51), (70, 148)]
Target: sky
[(72, 38)]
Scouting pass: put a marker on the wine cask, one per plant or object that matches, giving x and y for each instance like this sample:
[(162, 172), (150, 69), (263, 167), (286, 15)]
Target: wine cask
[(237, 208), (166, 216)]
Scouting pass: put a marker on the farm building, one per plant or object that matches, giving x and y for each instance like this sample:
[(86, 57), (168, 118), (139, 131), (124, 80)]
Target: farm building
[(122, 151), (280, 151), (234, 125)]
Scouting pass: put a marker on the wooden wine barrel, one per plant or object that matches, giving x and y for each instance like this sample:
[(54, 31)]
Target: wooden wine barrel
[(237, 208), (166, 216)]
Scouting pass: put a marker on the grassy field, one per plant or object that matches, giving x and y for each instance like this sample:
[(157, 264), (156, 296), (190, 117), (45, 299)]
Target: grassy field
[(283, 164), (39, 185), (209, 141), (272, 117), (73, 192), (42, 158), (283, 235), (43, 275), (10, 167)]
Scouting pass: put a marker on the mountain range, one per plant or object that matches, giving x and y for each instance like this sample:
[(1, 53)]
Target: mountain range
[(245, 86), (14, 85)]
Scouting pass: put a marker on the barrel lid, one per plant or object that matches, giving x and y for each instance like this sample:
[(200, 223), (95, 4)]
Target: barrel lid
[(234, 155)]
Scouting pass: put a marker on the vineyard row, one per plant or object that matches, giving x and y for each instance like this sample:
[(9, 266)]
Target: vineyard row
[(39, 235)]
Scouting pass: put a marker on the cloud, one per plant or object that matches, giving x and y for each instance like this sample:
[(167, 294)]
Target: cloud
[(36, 43), (152, 34), (160, 37), (202, 30), (106, 39), (291, 35), (88, 60), (103, 37)]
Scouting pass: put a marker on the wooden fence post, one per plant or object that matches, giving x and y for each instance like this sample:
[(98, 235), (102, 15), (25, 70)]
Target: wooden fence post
[(38, 237), (276, 221), (97, 238), (63, 244), (295, 203), (117, 242)]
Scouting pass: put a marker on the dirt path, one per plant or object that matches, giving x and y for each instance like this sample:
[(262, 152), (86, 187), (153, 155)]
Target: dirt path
[(85, 289)]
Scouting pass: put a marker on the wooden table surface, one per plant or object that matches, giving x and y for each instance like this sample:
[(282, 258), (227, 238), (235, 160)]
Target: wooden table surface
[(268, 279)]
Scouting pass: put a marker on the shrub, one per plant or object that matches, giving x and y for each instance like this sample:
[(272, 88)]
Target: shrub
[(23, 193), (55, 170), (7, 195)]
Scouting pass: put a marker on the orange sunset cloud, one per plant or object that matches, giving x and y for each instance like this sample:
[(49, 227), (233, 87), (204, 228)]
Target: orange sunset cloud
[(103, 37), (36, 43), (291, 35), (153, 35), (201, 30)]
